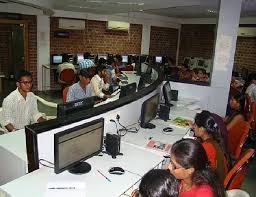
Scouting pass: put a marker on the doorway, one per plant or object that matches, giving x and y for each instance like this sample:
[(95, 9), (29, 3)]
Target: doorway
[(13, 53)]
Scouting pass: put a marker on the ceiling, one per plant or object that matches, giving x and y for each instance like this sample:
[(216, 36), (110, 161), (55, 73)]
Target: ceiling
[(168, 8)]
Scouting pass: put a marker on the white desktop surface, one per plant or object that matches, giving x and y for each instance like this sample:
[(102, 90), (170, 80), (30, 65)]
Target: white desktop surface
[(34, 184), (143, 136)]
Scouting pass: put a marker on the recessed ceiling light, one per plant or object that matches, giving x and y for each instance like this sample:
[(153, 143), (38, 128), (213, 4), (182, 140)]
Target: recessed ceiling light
[(141, 4), (212, 11), (141, 10)]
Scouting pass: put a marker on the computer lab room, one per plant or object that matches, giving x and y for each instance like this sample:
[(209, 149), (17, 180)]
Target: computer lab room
[(127, 98)]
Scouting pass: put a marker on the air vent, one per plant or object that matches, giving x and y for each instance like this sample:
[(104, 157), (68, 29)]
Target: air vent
[(247, 32), (118, 25), (71, 24)]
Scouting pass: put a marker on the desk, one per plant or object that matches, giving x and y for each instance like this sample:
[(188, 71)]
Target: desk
[(141, 138), (34, 184)]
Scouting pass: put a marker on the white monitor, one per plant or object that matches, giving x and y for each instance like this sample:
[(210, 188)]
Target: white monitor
[(159, 59), (80, 57), (125, 58), (104, 56)]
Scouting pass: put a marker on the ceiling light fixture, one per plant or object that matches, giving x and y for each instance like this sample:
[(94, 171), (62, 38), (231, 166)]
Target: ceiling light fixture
[(212, 11)]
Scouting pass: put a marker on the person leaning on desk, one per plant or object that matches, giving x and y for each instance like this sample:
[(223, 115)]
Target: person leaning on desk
[(82, 89), (100, 83), (20, 106)]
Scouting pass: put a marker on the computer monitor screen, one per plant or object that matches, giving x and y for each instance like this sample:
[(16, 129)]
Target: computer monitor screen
[(128, 90), (167, 93), (57, 59), (75, 106), (149, 111), (125, 58), (159, 59), (104, 56), (80, 57), (73, 146)]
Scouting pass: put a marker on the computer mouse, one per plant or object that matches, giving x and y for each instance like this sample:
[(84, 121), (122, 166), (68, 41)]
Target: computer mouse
[(167, 129), (116, 170)]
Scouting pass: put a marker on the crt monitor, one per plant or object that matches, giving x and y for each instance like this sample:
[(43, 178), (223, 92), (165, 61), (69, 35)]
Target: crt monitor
[(74, 145), (167, 93), (57, 59), (159, 59), (149, 111), (80, 57), (75, 106), (128, 90), (104, 56), (125, 58)]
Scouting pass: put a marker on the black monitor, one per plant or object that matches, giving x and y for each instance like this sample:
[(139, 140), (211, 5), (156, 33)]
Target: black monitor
[(128, 90), (149, 111), (74, 145), (125, 58), (75, 106), (167, 93), (159, 59), (57, 59)]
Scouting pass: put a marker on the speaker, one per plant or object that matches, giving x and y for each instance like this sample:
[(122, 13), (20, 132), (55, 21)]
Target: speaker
[(164, 112), (174, 94), (112, 144)]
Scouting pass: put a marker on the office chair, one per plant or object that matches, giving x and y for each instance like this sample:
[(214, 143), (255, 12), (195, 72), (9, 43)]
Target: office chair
[(65, 94), (237, 136), (236, 175), (66, 77)]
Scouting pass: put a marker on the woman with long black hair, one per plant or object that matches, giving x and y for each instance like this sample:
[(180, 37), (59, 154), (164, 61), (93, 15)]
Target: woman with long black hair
[(189, 164)]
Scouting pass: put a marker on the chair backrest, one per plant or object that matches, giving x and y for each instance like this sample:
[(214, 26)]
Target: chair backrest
[(65, 94), (67, 76), (236, 175), (237, 136)]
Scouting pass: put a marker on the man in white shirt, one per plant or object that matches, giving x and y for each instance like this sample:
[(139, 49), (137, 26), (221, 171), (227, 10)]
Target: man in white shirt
[(251, 89), (20, 106), (100, 82)]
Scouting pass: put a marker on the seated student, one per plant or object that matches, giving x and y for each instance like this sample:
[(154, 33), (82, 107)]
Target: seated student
[(157, 183), (118, 64), (251, 89), (65, 65), (236, 102), (206, 129), (202, 75), (100, 82), (189, 164), (82, 89), (20, 106), (86, 62)]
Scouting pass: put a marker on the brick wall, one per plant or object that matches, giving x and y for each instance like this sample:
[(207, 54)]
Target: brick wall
[(197, 41), (96, 39), (5, 31), (245, 56), (163, 41)]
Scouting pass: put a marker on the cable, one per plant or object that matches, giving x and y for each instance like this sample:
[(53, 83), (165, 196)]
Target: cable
[(46, 165)]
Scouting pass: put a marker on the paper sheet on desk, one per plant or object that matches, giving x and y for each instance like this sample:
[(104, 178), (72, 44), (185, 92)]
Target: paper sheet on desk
[(180, 121), (65, 186)]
